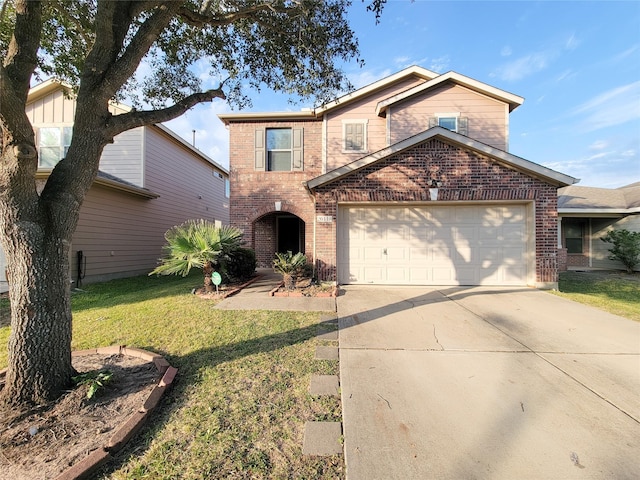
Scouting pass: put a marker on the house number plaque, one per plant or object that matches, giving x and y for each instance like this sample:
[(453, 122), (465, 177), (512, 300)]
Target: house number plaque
[(324, 218)]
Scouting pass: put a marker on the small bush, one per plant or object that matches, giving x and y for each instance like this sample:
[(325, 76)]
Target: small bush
[(290, 266), (626, 247), (238, 265)]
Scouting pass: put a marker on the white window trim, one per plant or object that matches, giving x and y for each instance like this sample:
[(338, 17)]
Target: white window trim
[(345, 122), (36, 128), (455, 115)]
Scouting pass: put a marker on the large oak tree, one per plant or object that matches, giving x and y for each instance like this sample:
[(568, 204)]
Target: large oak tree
[(99, 46)]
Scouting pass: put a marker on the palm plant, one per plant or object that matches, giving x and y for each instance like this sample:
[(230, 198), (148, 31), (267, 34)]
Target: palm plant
[(197, 244), (289, 266)]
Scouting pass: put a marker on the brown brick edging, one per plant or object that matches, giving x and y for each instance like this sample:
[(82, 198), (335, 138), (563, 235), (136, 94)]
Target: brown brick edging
[(296, 293), (86, 467)]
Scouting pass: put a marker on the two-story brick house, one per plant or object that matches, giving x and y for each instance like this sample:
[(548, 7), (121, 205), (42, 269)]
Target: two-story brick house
[(405, 181)]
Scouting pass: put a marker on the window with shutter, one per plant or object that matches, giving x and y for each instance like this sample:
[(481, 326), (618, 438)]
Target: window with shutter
[(354, 135), (279, 149), (451, 121)]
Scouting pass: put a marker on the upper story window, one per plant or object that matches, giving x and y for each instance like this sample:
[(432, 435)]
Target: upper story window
[(450, 121), (227, 188), (354, 134), (53, 143), (279, 149)]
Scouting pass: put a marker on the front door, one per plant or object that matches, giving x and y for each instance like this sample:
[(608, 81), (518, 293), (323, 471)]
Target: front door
[(290, 234)]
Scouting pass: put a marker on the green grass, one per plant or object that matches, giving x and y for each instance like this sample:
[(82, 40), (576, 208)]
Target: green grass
[(240, 402), (613, 292)]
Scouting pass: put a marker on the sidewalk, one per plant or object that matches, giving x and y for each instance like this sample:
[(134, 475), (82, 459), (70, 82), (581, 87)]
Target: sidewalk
[(256, 297)]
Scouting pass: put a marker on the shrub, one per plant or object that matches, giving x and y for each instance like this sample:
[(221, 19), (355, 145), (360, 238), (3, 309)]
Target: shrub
[(626, 247), (238, 265), (290, 266)]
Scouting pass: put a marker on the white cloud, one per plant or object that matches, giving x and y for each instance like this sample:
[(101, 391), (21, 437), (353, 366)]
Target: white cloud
[(599, 145), (440, 64), (506, 51), (362, 78), (572, 42), (212, 137), (524, 66), (613, 107)]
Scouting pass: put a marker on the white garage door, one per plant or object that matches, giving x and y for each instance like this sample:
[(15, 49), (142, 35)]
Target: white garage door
[(433, 245)]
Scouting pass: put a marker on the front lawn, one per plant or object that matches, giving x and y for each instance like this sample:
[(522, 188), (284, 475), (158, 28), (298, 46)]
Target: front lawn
[(614, 292), (240, 402)]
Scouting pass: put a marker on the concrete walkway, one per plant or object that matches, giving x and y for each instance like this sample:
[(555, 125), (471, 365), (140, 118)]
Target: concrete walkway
[(256, 297), (462, 383)]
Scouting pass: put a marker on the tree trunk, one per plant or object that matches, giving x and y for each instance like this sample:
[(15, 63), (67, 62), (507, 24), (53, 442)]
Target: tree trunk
[(208, 271), (40, 342)]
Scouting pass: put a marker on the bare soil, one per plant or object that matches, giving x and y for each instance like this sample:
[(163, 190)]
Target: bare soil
[(44, 442)]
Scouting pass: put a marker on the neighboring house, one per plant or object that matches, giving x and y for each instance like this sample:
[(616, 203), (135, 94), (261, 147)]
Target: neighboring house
[(150, 180), (405, 181), (587, 214)]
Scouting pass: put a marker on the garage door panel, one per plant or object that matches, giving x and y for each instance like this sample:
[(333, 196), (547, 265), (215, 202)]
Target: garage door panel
[(372, 253), (434, 245)]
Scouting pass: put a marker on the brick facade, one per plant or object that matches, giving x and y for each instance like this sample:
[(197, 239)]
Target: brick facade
[(454, 160), (254, 193), (465, 176)]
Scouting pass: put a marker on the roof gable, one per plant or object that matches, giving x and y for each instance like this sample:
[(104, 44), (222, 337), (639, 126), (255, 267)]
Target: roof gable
[(412, 71), (511, 161), (514, 101)]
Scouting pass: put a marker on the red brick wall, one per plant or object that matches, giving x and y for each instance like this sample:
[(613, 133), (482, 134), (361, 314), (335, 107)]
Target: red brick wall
[(465, 176), (254, 193)]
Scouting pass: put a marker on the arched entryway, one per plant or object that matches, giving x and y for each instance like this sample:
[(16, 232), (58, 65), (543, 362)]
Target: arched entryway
[(277, 232)]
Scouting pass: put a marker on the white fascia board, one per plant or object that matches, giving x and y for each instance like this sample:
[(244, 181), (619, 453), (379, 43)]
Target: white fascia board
[(361, 92), (227, 118), (514, 101), (598, 211)]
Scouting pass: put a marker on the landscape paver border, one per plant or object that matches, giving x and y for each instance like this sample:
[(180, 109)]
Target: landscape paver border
[(88, 465)]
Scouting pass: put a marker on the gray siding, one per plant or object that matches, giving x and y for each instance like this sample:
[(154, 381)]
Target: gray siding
[(599, 249), (122, 234), (188, 186), (123, 157)]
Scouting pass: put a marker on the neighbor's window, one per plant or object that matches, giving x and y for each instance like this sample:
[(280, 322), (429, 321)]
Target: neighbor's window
[(53, 143), (278, 149), (355, 136), (574, 237), (227, 188)]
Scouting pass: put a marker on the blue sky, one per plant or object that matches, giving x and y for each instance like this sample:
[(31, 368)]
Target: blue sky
[(577, 64)]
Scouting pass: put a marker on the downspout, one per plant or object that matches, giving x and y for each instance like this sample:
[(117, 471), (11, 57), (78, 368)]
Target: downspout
[(324, 144), (315, 217)]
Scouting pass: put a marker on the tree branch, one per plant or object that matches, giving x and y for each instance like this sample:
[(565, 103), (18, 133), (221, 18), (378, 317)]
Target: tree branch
[(199, 19), (126, 121), (127, 63), (22, 55)]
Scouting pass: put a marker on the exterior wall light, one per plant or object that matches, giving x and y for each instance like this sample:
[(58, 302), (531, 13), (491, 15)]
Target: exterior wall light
[(434, 185)]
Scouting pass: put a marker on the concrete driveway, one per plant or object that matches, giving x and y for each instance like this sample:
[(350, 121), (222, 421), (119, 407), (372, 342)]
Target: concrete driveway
[(463, 383)]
